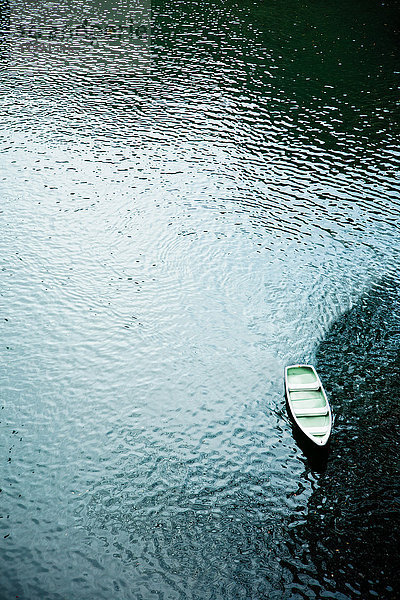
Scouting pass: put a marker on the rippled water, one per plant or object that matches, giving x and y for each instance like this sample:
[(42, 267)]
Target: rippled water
[(190, 198)]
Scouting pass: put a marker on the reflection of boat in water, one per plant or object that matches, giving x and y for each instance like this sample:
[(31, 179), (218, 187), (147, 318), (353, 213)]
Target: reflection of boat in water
[(307, 403)]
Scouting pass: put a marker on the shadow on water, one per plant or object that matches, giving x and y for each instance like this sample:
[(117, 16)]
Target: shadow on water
[(353, 515), (317, 458)]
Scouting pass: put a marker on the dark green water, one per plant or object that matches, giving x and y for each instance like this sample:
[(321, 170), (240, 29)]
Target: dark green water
[(182, 215)]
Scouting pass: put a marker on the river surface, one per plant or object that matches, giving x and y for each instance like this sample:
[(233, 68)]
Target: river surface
[(191, 195)]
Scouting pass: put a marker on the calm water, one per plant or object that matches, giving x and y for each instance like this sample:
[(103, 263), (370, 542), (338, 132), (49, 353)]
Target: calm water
[(183, 214)]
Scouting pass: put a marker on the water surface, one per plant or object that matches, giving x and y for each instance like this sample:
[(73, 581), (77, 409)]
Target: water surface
[(182, 215)]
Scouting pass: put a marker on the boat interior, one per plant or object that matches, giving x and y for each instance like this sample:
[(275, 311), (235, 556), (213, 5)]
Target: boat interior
[(308, 401)]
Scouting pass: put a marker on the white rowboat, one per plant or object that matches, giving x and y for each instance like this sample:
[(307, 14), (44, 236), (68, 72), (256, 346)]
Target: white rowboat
[(307, 403)]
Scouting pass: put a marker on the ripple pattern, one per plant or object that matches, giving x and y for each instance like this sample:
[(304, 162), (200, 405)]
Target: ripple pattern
[(192, 194)]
